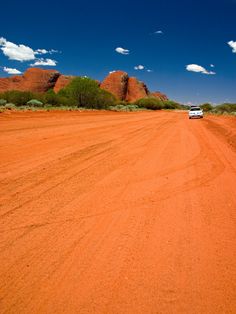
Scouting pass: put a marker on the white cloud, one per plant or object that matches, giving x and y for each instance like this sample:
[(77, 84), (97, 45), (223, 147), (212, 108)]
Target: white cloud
[(212, 65), (112, 72), (159, 32), (2, 41), (232, 44), (16, 52), (122, 51), (44, 51), (11, 71), (54, 51), (198, 69), (44, 62), (148, 70), (21, 52), (41, 51), (139, 67)]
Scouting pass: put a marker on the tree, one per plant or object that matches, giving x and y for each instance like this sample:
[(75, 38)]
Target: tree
[(206, 107), (87, 93), (149, 103)]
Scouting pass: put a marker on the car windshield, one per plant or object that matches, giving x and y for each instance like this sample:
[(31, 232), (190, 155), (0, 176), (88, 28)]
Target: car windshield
[(195, 109)]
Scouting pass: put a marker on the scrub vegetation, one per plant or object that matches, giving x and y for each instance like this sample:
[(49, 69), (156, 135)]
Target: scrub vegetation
[(84, 93)]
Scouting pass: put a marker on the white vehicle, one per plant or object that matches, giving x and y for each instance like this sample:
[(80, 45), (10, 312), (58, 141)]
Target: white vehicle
[(195, 112)]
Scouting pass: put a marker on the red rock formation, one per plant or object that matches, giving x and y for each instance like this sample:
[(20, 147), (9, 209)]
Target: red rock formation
[(4, 84), (62, 82), (130, 89), (34, 80), (116, 83), (135, 90), (159, 95), (11, 83), (40, 80)]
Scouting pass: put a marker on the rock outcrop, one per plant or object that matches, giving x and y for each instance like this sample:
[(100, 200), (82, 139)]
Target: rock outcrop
[(38, 80), (135, 90), (62, 82), (127, 88), (34, 80), (159, 95), (11, 83), (116, 83)]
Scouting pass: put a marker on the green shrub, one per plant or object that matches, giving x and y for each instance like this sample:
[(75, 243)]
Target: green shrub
[(10, 106), (149, 103), (17, 97), (206, 107), (34, 103), (3, 102), (50, 97), (121, 102), (170, 104), (127, 107), (225, 108), (85, 92), (184, 107), (102, 100)]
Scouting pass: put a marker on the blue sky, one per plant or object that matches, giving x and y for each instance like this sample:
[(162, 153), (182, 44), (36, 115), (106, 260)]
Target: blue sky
[(86, 34)]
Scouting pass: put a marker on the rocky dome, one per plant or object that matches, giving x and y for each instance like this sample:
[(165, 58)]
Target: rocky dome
[(128, 88), (38, 80), (11, 83), (34, 79), (116, 83), (62, 82), (159, 95), (135, 90)]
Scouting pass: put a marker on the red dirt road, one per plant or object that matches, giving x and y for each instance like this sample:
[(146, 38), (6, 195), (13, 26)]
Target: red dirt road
[(117, 213)]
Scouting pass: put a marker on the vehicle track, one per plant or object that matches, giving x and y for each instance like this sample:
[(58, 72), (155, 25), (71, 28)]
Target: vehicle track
[(106, 212)]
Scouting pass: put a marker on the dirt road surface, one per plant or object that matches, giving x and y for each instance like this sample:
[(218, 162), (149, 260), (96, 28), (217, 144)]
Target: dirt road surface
[(117, 213)]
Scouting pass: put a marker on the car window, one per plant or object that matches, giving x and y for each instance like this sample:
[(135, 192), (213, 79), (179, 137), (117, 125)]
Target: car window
[(195, 109)]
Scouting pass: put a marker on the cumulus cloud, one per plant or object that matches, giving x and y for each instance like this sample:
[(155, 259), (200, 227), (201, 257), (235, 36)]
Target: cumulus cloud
[(16, 52), (41, 51), (148, 70), (112, 72), (21, 52), (232, 44), (122, 51), (44, 51), (212, 65), (159, 32), (2, 41), (44, 62), (11, 71), (199, 69), (139, 67)]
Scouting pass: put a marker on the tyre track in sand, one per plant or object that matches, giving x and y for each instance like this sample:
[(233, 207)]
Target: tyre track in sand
[(135, 215)]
